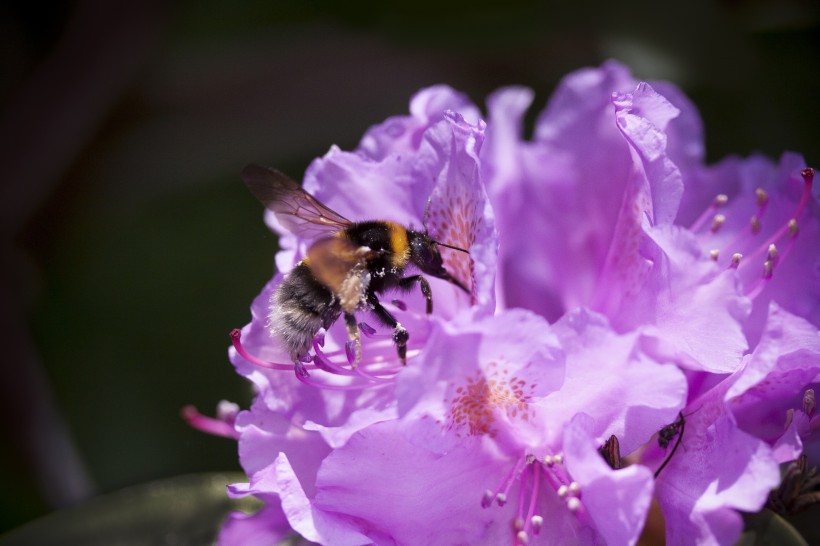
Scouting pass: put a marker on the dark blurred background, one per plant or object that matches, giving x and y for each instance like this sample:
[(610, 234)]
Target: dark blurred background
[(130, 247)]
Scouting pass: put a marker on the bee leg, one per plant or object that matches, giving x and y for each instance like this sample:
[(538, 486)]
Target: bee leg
[(408, 282), (400, 335), (355, 338)]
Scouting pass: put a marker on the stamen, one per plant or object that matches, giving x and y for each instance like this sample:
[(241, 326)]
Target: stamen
[(217, 427), (768, 267), (375, 378), (793, 229), (755, 225), (308, 380), (534, 473), (714, 254), (487, 499), (372, 333), (322, 362), (736, 257), (499, 495), (574, 504), (789, 418), (719, 201), (300, 370), (533, 495), (717, 223), (548, 460), (762, 197), (236, 336), (537, 522), (809, 403), (367, 329), (519, 520), (772, 252)]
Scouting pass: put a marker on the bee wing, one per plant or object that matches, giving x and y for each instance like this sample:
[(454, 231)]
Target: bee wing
[(298, 211), (341, 266)]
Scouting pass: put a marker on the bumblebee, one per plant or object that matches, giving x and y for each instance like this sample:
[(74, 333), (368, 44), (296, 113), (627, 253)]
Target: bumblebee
[(346, 268)]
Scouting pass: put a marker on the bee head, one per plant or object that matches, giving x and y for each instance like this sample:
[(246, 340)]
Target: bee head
[(424, 253)]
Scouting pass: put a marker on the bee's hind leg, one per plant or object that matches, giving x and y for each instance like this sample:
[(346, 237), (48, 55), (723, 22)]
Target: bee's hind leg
[(400, 335), (408, 282), (354, 348)]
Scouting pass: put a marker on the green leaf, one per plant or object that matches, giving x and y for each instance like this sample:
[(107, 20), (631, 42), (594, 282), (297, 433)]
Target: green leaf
[(767, 528), (185, 510)]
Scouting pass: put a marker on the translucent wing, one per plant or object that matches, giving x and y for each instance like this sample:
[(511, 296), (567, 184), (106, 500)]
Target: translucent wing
[(298, 211)]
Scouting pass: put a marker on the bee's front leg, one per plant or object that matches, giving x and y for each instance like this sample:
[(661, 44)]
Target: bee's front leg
[(408, 282)]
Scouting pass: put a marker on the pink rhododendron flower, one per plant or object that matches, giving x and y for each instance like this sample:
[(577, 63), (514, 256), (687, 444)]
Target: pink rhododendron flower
[(612, 303), (655, 255), (435, 156)]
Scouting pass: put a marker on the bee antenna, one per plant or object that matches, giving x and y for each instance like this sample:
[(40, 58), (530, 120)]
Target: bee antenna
[(453, 247)]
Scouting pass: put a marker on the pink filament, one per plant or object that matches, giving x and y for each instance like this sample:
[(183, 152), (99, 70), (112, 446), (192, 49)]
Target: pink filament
[(209, 425), (236, 336)]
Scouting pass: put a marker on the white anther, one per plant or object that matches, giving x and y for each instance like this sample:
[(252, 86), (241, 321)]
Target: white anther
[(548, 460), (717, 222), (574, 504), (755, 223), (772, 251)]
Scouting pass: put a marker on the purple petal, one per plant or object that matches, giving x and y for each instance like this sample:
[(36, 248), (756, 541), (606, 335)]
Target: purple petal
[(717, 469), (605, 371), (403, 134), (399, 492), (616, 500), (312, 523), (785, 363), (460, 214), (265, 527)]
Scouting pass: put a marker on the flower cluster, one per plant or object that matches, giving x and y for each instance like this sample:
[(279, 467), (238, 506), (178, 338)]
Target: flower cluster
[(641, 327)]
